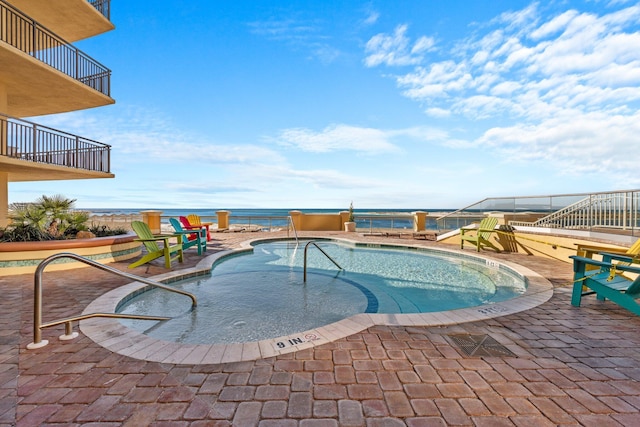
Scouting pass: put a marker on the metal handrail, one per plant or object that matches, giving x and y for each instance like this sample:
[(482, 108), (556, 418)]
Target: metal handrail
[(25, 140), (37, 299), (295, 232), (305, 258), (27, 35)]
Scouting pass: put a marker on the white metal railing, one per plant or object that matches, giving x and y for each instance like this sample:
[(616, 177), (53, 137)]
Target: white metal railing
[(600, 210), (613, 209)]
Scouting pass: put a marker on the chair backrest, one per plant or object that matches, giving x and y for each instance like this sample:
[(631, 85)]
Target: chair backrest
[(634, 249), (194, 219), (185, 222), (144, 232), (488, 223), (176, 224)]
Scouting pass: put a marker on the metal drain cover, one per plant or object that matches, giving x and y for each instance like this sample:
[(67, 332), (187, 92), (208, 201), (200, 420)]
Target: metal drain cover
[(480, 345)]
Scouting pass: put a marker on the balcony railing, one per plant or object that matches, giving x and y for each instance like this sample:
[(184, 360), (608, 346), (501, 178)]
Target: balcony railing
[(25, 34), (20, 139), (102, 6)]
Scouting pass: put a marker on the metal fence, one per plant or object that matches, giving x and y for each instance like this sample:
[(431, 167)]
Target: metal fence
[(28, 141), (25, 34)]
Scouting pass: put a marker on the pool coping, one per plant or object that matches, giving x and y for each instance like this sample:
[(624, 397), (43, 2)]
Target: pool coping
[(112, 335)]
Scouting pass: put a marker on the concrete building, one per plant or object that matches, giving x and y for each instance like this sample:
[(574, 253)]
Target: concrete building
[(42, 73)]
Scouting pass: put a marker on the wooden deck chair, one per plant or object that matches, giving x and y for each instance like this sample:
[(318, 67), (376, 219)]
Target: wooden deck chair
[(188, 225), (588, 251), (605, 283), (197, 238), (483, 234), (154, 251), (196, 221)]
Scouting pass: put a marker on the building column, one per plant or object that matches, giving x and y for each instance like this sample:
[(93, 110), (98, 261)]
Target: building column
[(223, 219), (3, 119), (153, 220), (4, 176), (419, 220), (4, 199)]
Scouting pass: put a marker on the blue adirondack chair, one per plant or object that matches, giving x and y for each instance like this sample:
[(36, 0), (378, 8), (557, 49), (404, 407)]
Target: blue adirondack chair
[(196, 237), (605, 281)]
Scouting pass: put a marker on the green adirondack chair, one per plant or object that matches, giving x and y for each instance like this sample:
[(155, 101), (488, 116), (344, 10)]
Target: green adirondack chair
[(154, 251), (605, 282), (482, 234), (190, 238)]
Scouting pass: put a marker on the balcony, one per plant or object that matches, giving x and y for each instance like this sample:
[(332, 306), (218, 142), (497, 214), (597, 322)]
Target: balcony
[(72, 20), (42, 73), (31, 152)]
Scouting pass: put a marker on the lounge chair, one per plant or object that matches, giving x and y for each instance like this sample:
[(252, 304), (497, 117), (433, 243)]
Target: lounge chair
[(605, 282), (196, 238), (426, 235), (483, 234), (192, 221), (154, 251)]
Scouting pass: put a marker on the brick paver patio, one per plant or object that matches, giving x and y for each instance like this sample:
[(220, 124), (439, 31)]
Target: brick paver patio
[(572, 366)]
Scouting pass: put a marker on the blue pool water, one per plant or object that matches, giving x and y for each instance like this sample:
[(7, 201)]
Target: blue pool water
[(262, 294)]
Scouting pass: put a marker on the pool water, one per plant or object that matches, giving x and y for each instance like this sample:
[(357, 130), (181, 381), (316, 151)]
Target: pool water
[(262, 294)]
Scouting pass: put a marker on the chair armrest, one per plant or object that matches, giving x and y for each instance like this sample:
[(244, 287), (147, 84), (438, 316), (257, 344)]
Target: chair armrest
[(192, 227), (464, 229), (593, 249), (157, 237), (589, 261), (199, 231)]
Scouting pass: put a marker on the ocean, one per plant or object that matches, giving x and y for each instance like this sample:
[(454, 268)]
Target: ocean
[(365, 218), (257, 212)]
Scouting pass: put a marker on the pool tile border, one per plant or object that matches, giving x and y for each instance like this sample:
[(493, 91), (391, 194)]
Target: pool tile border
[(112, 335)]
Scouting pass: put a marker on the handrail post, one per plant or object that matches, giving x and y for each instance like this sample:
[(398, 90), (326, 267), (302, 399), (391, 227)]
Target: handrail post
[(37, 313)]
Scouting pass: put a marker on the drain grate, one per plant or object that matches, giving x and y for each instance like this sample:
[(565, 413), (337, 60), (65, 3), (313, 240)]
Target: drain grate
[(480, 345)]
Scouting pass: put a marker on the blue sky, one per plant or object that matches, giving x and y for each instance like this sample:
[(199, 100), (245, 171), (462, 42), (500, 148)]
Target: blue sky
[(389, 104)]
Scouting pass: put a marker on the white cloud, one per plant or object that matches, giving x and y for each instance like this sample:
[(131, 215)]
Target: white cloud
[(565, 87), (438, 112), (340, 137), (299, 34), (396, 49), (592, 143), (371, 18), (337, 138)]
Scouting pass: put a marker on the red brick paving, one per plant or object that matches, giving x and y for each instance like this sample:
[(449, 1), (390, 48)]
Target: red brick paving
[(574, 366)]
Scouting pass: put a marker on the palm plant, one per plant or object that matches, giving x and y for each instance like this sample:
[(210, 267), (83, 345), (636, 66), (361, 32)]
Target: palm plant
[(51, 215)]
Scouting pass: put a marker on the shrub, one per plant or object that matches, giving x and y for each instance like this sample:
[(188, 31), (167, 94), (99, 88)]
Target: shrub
[(104, 231), (49, 218)]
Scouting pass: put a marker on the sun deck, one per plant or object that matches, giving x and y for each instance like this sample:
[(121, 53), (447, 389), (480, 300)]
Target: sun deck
[(566, 365)]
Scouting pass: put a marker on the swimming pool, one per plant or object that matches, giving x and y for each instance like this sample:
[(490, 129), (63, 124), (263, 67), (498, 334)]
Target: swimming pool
[(261, 295)]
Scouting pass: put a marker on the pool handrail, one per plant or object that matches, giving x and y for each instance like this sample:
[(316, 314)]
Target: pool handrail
[(304, 277), (69, 334), (293, 225)]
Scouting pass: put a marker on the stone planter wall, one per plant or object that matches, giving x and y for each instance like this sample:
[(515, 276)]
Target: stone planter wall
[(24, 257)]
